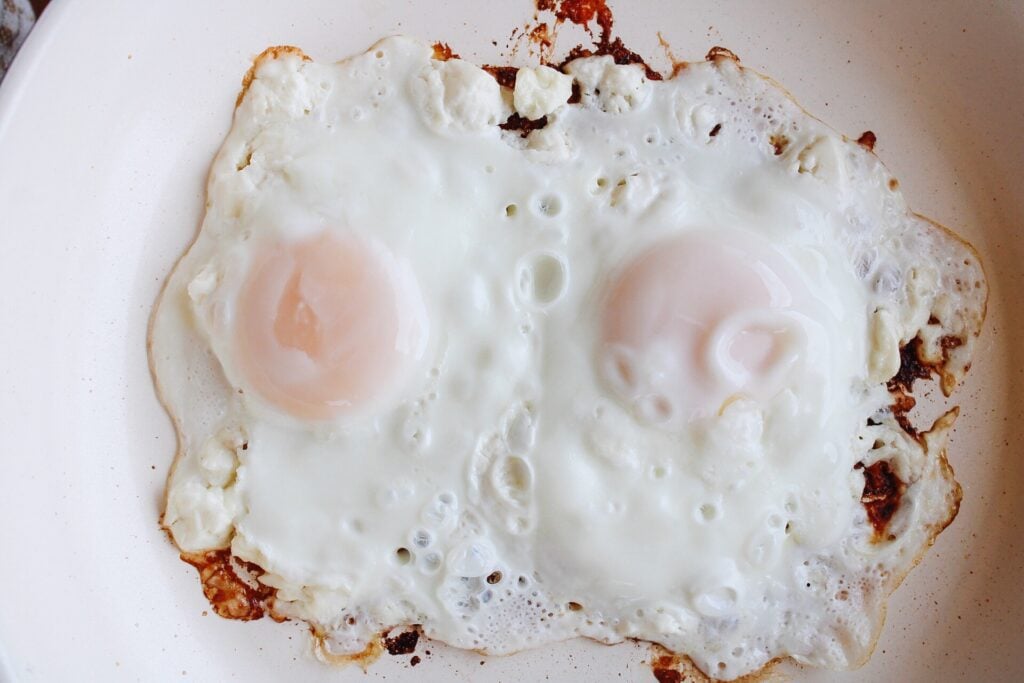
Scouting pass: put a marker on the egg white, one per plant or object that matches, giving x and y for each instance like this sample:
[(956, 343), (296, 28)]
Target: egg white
[(504, 495)]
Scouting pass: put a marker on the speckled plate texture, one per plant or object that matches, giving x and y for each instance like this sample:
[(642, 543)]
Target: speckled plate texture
[(108, 120)]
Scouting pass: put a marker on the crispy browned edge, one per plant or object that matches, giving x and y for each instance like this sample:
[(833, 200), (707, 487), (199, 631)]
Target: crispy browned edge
[(663, 661), (270, 53), (275, 52)]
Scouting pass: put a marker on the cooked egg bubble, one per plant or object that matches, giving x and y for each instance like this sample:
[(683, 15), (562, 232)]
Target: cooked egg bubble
[(609, 379)]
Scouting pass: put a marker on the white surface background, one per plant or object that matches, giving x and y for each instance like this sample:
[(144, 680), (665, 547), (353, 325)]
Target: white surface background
[(108, 121)]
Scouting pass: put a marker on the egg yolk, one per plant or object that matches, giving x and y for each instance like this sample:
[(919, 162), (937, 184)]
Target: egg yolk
[(698, 320), (328, 325)]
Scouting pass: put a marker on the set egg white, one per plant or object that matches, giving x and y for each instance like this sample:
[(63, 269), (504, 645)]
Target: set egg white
[(609, 379)]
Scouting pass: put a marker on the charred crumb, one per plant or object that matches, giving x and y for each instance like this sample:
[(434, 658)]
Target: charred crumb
[(540, 35), (415, 660), (505, 75), (404, 643), (523, 125), (443, 52), (881, 496), (576, 96), (580, 12), (231, 595), (867, 140), (716, 130), (901, 407), (494, 577), (779, 143), (665, 669)]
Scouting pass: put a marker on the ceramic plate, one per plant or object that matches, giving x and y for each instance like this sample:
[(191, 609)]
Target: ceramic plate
[(108, 122)]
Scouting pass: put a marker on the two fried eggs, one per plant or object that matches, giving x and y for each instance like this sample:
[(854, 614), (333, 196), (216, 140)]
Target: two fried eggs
[(618, 376)]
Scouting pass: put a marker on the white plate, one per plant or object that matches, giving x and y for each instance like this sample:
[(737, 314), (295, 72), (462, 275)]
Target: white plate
[(108, 121)]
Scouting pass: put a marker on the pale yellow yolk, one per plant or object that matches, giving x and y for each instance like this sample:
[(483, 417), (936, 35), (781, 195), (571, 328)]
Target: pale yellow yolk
[(697, 320), (328, 325)]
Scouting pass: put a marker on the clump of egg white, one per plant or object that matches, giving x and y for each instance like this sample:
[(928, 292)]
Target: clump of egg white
[(524, 483)]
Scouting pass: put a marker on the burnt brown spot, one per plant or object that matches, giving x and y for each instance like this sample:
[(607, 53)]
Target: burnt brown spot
[(912, 368), (574, 606), (231, 585), (505, 75), (779, 143), (494, 577), (894, 184), (664, 670), (540, 35), (901, 407), (669, 667), (716, 130), (719, 52), (404, 643), (582, 13), (576, 95), (867, 140), (443, 52), (949, 342), (523, 125), (883, 490), (414, 661)]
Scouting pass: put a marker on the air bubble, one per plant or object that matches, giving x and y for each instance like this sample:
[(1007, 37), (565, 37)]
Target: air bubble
[(549, 205), (542, 279), (512, 478), (511, 210), (429, 563), (441, 510), (415, 433), (520, 433), (655, 408), (403, 556), (421, 538), (708, 512)]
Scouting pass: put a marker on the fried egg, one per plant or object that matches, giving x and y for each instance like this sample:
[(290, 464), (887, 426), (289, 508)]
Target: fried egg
[(625, 374)]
